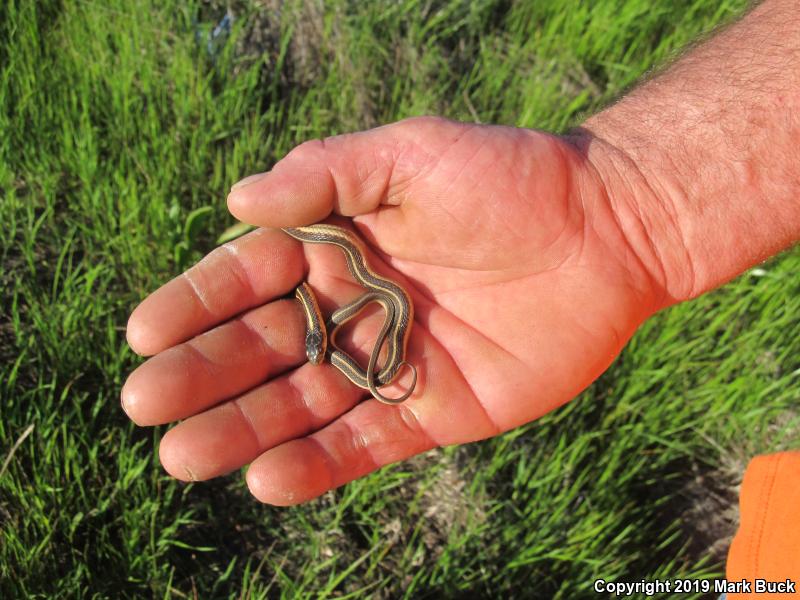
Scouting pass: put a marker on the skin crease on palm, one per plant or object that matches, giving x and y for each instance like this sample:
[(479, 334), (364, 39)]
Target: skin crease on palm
[(525, 275)]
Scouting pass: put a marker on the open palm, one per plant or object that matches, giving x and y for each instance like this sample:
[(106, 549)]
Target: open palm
[(524, 285)]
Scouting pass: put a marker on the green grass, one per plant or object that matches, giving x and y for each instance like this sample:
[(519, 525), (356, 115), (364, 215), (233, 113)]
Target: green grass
[(116, 124)]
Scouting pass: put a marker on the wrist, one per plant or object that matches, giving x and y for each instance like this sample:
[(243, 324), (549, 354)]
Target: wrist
[(701, 162), (644, 205)]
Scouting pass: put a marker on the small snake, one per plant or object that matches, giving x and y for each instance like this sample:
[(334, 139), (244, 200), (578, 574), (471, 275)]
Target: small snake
[(321, 337)]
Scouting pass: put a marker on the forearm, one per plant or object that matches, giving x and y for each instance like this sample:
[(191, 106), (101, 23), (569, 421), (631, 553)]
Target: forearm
[(702, 163)]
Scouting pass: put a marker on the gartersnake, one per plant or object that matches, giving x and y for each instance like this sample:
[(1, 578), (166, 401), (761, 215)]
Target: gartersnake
[(321, 337)]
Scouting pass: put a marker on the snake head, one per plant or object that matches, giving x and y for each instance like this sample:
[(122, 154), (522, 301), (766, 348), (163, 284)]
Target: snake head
[(315, 347)]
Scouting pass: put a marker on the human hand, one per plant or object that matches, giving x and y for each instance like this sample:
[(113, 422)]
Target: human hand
[(526, 274)]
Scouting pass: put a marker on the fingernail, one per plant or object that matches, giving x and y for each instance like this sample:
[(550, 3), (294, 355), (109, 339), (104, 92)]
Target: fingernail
[(124, 402), (247, 181)]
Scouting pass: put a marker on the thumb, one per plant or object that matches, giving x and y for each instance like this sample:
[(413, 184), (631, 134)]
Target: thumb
[(350, 174), (346, 174)]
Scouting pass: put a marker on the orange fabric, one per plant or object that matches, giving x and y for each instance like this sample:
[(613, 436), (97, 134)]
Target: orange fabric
[(767, 545)]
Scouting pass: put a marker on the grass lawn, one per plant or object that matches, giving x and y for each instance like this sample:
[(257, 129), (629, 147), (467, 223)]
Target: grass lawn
[(122, 126)]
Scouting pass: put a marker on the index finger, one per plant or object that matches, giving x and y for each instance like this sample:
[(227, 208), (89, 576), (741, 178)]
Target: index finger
[(247, 272)]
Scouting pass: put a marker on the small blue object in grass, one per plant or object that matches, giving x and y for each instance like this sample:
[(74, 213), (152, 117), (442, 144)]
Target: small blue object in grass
[(222, 30), (215, 38)]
